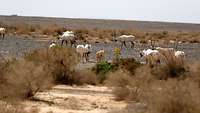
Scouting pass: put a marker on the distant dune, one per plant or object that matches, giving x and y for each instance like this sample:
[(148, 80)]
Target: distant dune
[(104, 24)]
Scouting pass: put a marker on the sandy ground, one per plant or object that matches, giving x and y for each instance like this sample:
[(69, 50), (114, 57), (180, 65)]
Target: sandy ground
[(75, 99)]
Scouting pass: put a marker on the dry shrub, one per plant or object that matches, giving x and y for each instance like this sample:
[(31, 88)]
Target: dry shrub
[(36, 72), (6, 107), (53, 29), (129, 80), (172, 67), (172, 95), (129, 64), (81, 34), (48, 31), (175, 97), (124, 87), (23, 79), (81, 77), (59, 30), (22, 28), (26, 79), (194, 72), (119, 79), (60, 62)]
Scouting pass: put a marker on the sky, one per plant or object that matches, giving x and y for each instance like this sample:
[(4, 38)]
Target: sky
[(187, 11)]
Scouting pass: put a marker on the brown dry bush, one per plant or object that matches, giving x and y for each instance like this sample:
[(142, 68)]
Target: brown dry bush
[(124, 87), (50, 30), (175, 97), (172, 95), (172, 67), (36, 71), (158, 96), (60, 62), (81, 34), (129, 64), (194, 72), (81, 77), (22, 28), (24, 79), (6, 107)]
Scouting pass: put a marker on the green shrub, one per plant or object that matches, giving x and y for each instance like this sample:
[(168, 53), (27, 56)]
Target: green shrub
[(101, 69)]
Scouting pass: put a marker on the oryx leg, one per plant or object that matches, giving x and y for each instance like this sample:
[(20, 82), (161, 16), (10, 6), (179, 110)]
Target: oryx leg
[(66, 42), (123, 43), (132, 44), (62, 42), (3, 35)]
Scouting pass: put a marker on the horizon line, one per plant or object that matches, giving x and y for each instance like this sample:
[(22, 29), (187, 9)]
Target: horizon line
[(109, 19)]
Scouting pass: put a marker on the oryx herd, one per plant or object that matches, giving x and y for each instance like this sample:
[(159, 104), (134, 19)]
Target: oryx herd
[(152, 55)]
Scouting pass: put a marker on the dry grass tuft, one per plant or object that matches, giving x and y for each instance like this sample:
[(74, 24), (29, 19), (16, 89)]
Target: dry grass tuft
[(171, 95), (60, 62), (123, 86), (23, 78), (26, 79), (175, 97), (173, 67), (14, 108), (36, 72), (81, 77)]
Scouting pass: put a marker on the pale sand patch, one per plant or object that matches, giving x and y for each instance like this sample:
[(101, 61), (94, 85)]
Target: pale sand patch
[(76, 99)]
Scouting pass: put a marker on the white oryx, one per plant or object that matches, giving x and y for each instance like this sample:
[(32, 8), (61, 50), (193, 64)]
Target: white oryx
[(152, 57), (2, 32), (126, 38), (180, 55), (84, 51), (68, 37)]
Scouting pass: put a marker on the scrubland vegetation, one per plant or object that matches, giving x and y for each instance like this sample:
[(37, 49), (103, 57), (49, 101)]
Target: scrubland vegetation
[(167, 88), (53, 30), (37, 71), (162, 89), (173, 87)]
